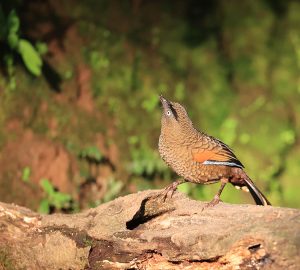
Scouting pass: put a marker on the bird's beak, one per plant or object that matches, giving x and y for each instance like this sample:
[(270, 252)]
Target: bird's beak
[(162, 99), (164, 103)]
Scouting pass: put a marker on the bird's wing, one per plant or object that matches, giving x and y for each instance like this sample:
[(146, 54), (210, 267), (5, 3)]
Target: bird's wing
[(211, 151)]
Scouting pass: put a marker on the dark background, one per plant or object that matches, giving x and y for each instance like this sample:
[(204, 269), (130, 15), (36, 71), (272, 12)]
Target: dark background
[(84, 128)]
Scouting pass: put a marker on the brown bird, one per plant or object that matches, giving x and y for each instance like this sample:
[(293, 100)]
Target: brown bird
[(199, 158)]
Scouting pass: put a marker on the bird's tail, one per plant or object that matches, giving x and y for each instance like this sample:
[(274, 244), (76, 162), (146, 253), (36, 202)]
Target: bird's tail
[(258, 197)]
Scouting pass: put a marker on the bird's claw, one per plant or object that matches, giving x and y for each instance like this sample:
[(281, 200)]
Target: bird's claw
[(212, 203), (171, 188)]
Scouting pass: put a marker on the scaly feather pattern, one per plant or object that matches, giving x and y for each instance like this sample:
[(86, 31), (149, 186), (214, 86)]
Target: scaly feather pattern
[(211, 151), (200, 158)]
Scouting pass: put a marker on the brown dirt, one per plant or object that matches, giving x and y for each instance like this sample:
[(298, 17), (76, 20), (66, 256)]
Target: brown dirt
[(49, 21), (45, 159), (85, 100)]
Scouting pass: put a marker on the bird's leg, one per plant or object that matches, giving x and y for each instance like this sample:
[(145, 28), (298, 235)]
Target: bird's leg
[(216, 198), (171, 188)]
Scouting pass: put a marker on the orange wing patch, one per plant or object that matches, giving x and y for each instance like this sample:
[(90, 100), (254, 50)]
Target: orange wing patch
[(223, 156), (211, 155)]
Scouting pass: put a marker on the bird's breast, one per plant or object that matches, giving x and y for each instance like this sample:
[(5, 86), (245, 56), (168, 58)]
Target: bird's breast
[(178, 155)]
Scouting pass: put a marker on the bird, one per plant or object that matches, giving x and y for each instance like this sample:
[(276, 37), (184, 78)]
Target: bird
[(199, 158)]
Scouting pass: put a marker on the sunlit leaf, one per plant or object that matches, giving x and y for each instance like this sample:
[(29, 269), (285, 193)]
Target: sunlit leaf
[(13, 40), (13, 25), (92, 152), (47, 186), (60, 199), (41, 47), (26, 174), (44, 207), (288, 136), (13, 22), (30, 56)]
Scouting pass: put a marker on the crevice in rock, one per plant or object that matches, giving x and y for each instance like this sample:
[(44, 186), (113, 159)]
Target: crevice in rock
[(150, 208), (254, 248)]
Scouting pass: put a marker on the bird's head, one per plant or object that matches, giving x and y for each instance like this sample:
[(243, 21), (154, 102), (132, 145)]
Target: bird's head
[(174, 115)]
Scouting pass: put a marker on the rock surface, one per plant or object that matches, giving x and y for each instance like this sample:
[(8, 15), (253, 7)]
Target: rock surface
[(140, 231)]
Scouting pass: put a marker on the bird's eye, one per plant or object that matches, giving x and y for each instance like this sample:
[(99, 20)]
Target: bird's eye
[(169, 113)]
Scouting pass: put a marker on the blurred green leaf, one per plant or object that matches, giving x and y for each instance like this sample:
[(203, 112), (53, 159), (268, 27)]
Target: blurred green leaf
[(30, 56), (60, 200), (9, 61), (98, 61), (150, 103), (228, 131), (41, 48), (13, 25), (47, 186), (44, 207), (68, 74), (13, 22), (198, 192), (91, 152), (13, 40), (185, 188), (114, 188), (53, 197), (26, 174), (147, 162), (288, 136), (245, 138), (133, 140)]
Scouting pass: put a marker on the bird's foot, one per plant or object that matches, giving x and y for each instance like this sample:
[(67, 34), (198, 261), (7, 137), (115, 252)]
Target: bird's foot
[(170, 188), (212, 203)]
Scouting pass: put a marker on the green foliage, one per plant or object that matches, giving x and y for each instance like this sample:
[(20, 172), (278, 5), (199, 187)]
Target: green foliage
[(238, 79), (200, 192), (113, 190), (146, 162), (12, 29), (41, 48), (98, 61), (91, 153), (10, 35), (228, 130), (26, 174), (150, 104), (9, 62), (185, 188), (30, 56), (53, 198)]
